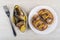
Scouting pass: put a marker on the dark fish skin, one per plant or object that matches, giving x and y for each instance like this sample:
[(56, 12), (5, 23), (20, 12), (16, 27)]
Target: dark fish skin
[(16, 18)]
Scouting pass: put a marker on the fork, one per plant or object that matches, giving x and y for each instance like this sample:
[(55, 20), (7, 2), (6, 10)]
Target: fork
[(8, 14)]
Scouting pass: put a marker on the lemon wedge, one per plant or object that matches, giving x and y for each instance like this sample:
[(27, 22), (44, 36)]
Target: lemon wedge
[(23, 28)]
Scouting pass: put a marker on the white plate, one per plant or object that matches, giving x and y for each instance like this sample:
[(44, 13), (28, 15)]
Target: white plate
[(50, 27)]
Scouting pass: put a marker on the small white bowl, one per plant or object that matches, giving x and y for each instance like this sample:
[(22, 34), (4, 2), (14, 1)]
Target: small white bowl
[(50, 27)]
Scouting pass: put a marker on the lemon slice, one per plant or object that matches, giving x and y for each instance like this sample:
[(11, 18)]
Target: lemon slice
[(23, 28)]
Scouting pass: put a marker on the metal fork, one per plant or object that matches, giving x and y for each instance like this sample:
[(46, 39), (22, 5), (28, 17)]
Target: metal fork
[(8, 14)]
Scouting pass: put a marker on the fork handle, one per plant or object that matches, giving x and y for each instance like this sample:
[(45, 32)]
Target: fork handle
[(14, 32)]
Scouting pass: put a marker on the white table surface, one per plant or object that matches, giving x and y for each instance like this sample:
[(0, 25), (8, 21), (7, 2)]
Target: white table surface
[(27, 5)]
